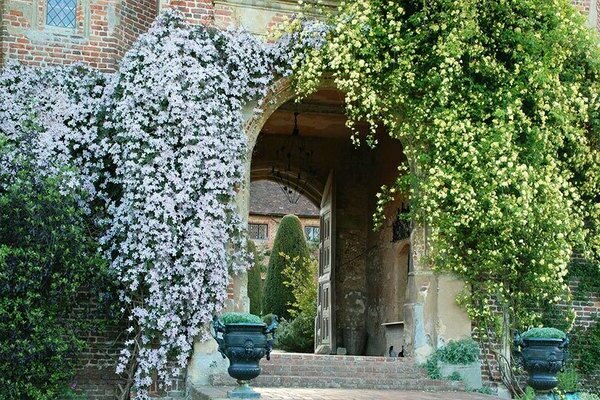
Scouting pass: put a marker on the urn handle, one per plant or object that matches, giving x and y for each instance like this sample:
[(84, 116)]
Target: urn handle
[(216, 330), (270, 332)]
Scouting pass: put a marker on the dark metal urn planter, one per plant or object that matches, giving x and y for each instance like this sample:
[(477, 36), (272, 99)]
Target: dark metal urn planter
[(244, 344), (542, 352)]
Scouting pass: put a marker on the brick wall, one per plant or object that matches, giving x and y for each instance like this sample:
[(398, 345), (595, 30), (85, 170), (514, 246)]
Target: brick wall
[(96, 375), (107, 28), (195, 11), (136, 18), (27, 38), (104, 30)]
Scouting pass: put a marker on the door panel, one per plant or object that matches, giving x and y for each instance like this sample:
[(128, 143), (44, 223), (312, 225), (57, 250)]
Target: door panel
[(325, 320)]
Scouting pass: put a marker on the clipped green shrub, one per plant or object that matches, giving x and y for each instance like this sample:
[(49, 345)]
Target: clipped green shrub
[(254, 280), (543, 333), (457, 352), (47, 256), (290, 241), (268, 319), (240, 318), (297, 335), (568, 380)]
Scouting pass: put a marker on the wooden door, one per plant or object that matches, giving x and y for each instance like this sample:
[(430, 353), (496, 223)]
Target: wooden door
[(325, 321)]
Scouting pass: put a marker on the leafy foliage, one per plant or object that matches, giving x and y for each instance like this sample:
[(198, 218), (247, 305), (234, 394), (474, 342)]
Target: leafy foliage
[(47, 256), (498, 107), (289, 242), (568, 380), (528, 395), (432, 367), (456, 352), (297, 335), (255, 280), (543, 333), (587, 276), (155, 153), (463, 351), (300, 276), (585, 349), (237, 317)]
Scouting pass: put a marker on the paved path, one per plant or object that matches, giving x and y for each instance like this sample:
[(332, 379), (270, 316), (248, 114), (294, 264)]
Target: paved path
[(214, 393)]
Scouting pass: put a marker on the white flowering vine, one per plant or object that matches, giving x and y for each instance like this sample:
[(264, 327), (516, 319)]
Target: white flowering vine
[(178, 151), (158, 149), (66, 104)]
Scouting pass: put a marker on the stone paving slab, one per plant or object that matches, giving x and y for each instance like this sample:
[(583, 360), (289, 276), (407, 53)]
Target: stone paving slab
[(218, 393)]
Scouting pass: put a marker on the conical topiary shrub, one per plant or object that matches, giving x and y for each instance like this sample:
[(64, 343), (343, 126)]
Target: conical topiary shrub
[(254, 281), (289, 240)]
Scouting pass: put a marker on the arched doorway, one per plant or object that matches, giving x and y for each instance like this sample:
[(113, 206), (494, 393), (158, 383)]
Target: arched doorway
[(354, 263)]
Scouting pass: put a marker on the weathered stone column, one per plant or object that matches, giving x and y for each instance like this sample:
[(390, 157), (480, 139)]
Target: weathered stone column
[(206, 361), (420, 308), (431, 314)]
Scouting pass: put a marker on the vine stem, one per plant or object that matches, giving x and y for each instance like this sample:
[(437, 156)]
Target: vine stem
[(130, 373)]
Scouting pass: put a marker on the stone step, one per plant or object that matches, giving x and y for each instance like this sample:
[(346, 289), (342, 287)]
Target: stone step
[(404, 371), (357, 382), (297, 357), (350, 366)]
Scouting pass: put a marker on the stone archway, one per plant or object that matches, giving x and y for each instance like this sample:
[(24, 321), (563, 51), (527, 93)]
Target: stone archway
[(430, 315)]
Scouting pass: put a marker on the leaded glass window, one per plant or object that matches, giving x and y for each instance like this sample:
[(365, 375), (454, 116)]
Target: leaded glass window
[(61, 13), (312, 233), (258, 231)]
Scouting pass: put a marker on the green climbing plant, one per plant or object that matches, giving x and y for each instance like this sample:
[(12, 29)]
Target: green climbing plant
[(497, 105), (498, 140)]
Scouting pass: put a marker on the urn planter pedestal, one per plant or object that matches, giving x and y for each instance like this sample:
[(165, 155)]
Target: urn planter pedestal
[(542, 358), (244, 344)]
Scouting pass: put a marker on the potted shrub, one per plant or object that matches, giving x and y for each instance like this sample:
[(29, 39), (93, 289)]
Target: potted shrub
[(542, 353), (243, 339), (460, 359)]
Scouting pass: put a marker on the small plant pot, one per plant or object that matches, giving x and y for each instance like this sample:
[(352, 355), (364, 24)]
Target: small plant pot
[(542, 358), (244, 344)]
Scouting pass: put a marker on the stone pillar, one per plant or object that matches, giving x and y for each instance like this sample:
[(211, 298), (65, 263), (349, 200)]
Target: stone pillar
[(420, 309), (206, 360), (593, 15), (431, 314)]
